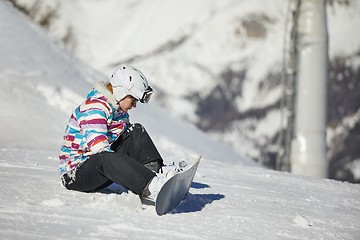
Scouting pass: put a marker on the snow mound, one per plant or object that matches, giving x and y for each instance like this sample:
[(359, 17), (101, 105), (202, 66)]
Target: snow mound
[(114, 202)]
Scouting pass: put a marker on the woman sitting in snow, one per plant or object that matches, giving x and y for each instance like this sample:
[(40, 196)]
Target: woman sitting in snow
[(101, 146)]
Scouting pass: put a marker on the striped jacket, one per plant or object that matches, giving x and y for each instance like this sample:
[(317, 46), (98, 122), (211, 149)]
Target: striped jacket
[(92, 127)]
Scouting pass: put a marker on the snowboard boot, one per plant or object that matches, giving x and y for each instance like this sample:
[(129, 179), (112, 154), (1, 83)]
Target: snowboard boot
[(152, 189)]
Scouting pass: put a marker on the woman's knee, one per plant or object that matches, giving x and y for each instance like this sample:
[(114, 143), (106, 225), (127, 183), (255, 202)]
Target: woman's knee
[(137, 127), (138, 131)]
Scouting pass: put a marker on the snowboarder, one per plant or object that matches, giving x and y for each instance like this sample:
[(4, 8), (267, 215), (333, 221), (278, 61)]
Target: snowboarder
[(102, 147)]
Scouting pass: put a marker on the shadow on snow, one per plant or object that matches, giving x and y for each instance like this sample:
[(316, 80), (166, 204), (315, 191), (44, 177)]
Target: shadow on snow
[(196, 202)]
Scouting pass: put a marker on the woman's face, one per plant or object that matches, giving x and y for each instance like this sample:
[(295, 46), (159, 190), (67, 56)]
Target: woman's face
[(127, 103)]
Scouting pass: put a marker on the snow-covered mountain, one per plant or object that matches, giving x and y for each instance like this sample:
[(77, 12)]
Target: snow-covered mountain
[(230, 198), (45, 76), (217, 64)]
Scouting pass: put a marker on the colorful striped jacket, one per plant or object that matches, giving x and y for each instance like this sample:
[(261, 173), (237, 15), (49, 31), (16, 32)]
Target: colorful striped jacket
[(92, 127)]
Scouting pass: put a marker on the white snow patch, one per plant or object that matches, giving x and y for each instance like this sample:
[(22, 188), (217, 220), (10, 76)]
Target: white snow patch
[(53, 203), (61, 98), (302, 221), (114, 202)]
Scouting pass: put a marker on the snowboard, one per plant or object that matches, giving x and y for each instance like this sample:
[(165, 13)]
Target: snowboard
[(175, 189)]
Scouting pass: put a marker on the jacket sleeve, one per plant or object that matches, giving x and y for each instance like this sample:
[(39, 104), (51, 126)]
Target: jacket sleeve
[(93, 124)]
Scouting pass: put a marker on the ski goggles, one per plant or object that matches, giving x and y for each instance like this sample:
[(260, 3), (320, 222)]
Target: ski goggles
[(147, 95)]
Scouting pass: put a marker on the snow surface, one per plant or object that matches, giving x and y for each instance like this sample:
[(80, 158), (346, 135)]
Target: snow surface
[(231, 197)]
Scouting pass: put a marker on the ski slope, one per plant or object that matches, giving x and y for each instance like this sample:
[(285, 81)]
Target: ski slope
[(227, 202), (231, 197)]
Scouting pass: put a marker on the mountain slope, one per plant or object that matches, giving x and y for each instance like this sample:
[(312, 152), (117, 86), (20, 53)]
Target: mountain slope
[(42, 85), (229, 199), (218, 64)]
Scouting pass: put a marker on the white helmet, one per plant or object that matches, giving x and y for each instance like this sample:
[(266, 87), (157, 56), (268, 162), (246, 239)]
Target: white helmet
[(128, 80)]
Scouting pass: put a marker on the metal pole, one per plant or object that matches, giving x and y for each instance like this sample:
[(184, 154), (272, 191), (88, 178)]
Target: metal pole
[(308, 147), (289, 81)]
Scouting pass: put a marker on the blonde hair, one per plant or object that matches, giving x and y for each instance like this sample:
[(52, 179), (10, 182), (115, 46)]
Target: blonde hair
[(109, 87)]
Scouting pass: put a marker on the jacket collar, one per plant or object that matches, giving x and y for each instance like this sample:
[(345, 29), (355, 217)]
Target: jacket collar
[(101, 87)]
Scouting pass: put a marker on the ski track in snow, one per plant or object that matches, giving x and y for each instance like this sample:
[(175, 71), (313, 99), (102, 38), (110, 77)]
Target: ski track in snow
[(225, 202)]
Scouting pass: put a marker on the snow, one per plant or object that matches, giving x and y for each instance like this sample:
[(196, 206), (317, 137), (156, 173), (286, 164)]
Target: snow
[(343, 40), (244, 203), (231, 197)]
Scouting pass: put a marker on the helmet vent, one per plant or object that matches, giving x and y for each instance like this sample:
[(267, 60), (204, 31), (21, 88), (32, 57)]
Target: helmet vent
[(144, 85), (130, 77)]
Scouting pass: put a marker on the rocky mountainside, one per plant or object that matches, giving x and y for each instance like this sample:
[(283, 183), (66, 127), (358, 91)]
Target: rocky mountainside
[(218, 64)]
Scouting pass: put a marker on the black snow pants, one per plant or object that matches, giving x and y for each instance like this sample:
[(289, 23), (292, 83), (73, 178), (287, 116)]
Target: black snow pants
[(132, 165)]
